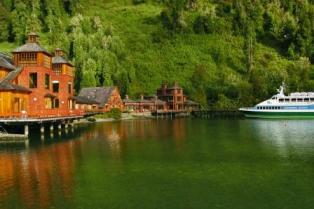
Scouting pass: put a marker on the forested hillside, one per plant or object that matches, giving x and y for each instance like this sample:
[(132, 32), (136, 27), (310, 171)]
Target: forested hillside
[(225, 53)]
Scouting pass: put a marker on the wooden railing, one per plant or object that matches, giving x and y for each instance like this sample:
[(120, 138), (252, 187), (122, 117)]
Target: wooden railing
[(52, 113)]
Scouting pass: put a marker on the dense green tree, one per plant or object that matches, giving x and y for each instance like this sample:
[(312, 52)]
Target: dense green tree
[(4, 23), (173, 15), (19, 18)]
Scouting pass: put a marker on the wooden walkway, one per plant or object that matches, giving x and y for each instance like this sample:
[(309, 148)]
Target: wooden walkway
[(217, 114), (170, 113), (6, 138), (22, 120)]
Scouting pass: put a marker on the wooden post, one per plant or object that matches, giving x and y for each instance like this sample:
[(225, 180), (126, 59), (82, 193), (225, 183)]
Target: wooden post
[(26, 130), (42, 132), (42, 129), (51, 130), (51, 127)]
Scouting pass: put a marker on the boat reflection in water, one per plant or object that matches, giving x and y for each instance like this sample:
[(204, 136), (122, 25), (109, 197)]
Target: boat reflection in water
[(286, 135)]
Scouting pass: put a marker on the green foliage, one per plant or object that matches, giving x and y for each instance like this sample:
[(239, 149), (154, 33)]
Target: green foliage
[(172, 16), (115, 113)]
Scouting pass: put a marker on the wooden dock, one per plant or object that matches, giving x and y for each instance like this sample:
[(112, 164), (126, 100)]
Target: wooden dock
[(170, 113), (217, 114), (12, 138), (41, 124)]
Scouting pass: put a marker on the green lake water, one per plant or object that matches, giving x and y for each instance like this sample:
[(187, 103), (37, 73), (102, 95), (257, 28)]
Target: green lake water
[(164, 164)]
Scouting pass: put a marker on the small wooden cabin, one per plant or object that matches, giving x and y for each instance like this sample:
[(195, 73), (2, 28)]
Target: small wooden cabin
[(107, 98)]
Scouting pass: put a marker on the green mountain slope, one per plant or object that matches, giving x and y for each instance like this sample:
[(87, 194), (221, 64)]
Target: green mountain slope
[(126, 44)]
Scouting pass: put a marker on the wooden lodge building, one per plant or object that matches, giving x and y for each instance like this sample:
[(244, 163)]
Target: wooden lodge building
[(167, 99), (35, 83), (106, 98)]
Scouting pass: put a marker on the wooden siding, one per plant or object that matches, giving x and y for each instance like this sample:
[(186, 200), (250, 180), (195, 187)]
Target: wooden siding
[(3, 72), (13, 103), (114, 101)]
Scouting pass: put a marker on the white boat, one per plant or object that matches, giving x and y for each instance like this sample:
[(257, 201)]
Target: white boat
[(295, 105)]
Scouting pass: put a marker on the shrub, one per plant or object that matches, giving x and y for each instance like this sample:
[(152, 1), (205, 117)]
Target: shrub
[(115, 113), (91, 119)]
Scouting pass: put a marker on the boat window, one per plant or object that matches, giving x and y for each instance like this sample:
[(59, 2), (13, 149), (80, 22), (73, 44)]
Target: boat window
[(293, 99), (281, 100), (312, 99), (306, 99), (300, 99), (287, 100)]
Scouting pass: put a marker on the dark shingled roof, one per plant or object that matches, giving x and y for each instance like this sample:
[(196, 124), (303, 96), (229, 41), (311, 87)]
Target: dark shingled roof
[(5, 85), (158, 101), (145, 101), (190, 102), (12, 75), (6, 62), (128, 100), (60, 60), (99, 94), (84, 100), (30, 47)]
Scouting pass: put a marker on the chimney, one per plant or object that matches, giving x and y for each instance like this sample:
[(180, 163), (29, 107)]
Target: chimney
[(142, 97), (32, 37), (58, 52), (126, 96)]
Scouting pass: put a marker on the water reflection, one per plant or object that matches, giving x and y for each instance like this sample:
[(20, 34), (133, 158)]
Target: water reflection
[(35, 177), (116, 133), (285, 135), (45, 172), (114, 158)]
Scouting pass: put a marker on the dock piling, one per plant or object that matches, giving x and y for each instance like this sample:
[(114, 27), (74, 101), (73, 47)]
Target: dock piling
[(26, 130)]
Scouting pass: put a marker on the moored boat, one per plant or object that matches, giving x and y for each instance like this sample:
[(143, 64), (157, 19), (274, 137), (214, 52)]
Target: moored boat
[(296, 105)]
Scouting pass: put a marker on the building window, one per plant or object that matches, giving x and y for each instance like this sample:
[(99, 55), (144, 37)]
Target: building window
[(57, 68), (69, 88), (55, 87), (47, 81), (56, 103), (28, 57), (48, 103), (33, 80)]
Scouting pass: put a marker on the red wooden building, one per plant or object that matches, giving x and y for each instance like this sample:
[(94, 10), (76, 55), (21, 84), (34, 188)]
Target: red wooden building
[(37, 84), (167, 99)]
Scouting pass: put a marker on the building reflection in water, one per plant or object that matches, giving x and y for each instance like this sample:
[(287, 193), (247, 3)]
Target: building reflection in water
[(36, 177), (116, 134), (40, 175)]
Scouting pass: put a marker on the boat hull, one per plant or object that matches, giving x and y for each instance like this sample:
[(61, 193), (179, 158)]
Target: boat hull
[(278, 114)]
